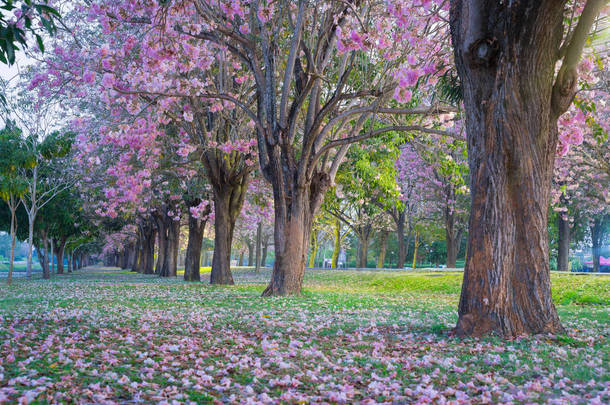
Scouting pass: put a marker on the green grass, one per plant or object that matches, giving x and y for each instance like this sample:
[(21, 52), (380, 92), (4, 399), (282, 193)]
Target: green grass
[(105, 333)]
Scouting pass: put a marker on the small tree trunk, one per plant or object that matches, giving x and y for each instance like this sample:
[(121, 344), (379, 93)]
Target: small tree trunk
[(383, 245), (61, 246), (597, 236), (250, 246), (400, 235), (313, 248), (259, 231), (563, 244), (415, 248), (28, 273), (363, 251), (192, 264), (53, 243), (13, 208), (337, 243), (264, 253), (173, 246), (161, 266)]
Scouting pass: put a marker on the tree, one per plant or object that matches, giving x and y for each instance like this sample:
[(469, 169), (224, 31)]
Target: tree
[(506, 55), (13, 158)]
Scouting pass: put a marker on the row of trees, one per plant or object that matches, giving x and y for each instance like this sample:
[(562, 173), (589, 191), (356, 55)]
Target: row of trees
[(179, 99)]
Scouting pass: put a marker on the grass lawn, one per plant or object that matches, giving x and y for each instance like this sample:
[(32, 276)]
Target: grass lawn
[(109, 336)]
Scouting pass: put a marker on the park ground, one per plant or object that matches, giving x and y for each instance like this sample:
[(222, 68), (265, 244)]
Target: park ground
[(104, 335)]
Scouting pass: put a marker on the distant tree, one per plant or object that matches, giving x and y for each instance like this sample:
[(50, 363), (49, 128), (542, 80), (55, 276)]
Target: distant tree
[(13, 158)]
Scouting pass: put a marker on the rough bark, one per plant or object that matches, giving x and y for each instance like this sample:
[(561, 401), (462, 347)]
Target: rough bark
[(563, 244), (506, 55), (192, 262), (383, 245), (228, 201)]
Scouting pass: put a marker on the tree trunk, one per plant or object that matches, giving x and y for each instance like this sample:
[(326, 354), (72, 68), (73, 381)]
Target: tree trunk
[(264, 254), (415, 246), (295, 207), (173, 246), (291, 242), (131, 256), (61, 246), (563, 244), (13, 209), (161, 266), (227, 205), (400, 235), (453, 247), (53, 243), (383, 245), (192, 264), (259, 231), (313, 248), (506, 55), (336, 244), (147, 248), (597, 236), (363, 251), (28, 272), (250, 247)]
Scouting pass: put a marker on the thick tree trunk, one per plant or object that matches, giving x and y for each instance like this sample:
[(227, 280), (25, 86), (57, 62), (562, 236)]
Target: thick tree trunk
[(61, 246), (192, 262), (506, 56), (294, 215), (291, 245), (563, 244), (227, 205), (383, 245)]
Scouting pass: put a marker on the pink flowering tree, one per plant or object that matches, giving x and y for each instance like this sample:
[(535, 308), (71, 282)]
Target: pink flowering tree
[(320, 72), (582, 171)]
